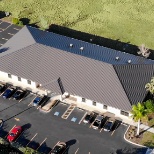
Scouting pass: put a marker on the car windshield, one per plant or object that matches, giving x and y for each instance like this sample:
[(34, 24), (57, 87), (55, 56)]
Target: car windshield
[(108, 125), (12, 134), (37, 100), (18, 93), (57, 149), (87, 117), (96, 123)]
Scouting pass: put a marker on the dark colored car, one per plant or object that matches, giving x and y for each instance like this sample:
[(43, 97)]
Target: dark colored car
[(18, 94), (2, 87), (108, 125), (59, 148), (88, 117), (8, 92), (37, 101), (14, 133)]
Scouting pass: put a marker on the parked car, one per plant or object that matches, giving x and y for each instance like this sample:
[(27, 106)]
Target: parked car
[(18, 94), (1, 123), (37, 101), (2, 87), (14, 133), (8, 92), (108, 125), (97, 122), (59, 148), (88, 117)]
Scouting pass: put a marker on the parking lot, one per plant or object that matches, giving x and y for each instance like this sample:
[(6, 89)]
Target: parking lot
[(41, 131), (7, 30)]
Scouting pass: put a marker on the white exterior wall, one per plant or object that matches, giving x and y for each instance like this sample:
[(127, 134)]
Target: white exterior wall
[(99, 106), (23, 83)]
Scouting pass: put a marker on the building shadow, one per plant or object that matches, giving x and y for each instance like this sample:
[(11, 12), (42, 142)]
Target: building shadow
[(94, 39), (3, 49)]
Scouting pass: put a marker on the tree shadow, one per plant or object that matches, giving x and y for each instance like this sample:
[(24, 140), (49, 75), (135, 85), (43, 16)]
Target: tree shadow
[(145, 130), (4, 49), (2, 14), (34, 25), (131, 151), (34, 145), (44, 148), (25, 21), (26, 126), (68, 144)]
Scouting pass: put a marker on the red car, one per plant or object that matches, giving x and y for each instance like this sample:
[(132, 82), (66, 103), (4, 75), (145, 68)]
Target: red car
[(14, 133)]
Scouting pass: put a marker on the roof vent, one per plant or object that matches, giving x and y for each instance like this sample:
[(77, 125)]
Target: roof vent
[(117, 58), (129, 61), (81, 48), (71, 45)]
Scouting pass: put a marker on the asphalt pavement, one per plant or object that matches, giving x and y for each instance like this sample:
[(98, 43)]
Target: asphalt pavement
[(43, 130)]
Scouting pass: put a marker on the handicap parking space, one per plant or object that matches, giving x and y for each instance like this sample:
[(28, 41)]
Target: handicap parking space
[(59, 109), (77, 115)]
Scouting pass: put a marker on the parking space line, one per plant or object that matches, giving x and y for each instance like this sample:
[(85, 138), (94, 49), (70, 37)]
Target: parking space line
[(2, 93), (8, 27), (41, 143), (16, 28), (31, 102), (103, 127), (10, 34), (10, 131), (32, 139), (76, 151), (4, 38), (82, 118), (91, 124), (20, 135), (1, 29), (114, 129), (1, 44)]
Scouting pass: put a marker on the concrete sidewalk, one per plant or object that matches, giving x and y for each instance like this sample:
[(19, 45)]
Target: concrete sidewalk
[(124, 119)]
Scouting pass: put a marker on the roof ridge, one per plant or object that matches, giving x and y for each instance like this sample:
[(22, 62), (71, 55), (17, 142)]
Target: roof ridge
[(118, 51)]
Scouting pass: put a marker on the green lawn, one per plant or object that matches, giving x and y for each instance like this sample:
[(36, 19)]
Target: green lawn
[(129, 21)]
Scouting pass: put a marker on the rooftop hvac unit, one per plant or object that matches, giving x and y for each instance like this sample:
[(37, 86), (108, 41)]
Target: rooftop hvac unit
[(81, 48), (129, 61), (117, 58), (71, 45)]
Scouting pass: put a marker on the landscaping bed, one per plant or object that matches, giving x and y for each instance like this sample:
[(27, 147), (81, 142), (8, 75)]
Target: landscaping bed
[(145, 138)]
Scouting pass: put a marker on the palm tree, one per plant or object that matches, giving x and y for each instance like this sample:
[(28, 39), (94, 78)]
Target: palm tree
[(150, 86), (149, 105), (138, 113)]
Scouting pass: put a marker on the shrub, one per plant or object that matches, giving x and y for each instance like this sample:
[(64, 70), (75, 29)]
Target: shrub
[(15, 21)]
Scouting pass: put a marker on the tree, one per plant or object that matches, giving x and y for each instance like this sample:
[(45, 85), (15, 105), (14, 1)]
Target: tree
[(138, 113), (149, 105), (150, 86), (143, 51)]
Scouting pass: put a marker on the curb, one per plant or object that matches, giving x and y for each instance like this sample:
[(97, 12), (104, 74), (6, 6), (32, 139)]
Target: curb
[(131, 141)]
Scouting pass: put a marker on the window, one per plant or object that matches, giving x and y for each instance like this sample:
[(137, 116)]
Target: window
[(19, 78), (105, 107), (9, 76), (28, 81), (83, 99), (124, 113), (94, 103)]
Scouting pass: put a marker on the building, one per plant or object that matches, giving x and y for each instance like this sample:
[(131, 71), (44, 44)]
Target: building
[(91, 74)]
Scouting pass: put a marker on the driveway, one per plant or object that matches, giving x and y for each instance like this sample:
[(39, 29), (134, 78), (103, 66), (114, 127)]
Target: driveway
[(43, 130)]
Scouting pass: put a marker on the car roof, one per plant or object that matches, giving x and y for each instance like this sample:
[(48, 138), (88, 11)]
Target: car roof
[(99, 117), (14, 130)]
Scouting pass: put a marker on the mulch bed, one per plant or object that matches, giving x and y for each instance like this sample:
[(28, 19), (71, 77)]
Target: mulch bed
[(131, 135)]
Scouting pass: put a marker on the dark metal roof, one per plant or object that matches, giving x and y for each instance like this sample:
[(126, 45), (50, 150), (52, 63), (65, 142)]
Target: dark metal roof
[(93, 73), (133, 79), (80, 75), (90, 50)]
